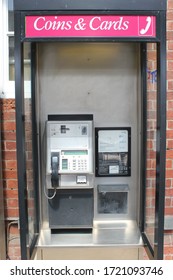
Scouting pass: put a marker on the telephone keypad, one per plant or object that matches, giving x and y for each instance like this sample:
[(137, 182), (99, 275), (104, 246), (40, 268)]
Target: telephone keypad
[(80, 165), (74, 164)]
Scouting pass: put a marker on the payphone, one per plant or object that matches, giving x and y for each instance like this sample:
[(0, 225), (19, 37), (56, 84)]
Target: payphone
[(69, 152), (76, 198), (69, 171)]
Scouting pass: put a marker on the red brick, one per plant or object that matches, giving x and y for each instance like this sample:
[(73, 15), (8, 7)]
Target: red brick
[(151, 173), (9, 174), (169, 74), (169, 5), (169, 155), (170, 125), (150, 192), (168, 250), (169, 163), (169, 15), (169, 134), (8, 115), (170, 43), (170, 105), (169, 65), (11, 164), (7, 126), (169, 55), (8, 104), (9, 155), (170, 85), (170, 25), (170, 144), (11, 184), (169, 173), (9, 145), (169, 35), (9, 135), (168, 202), (149, 144), (11, 193), (168, 183), (12, 203), (12, 213), (168, 257), (169, 192), (14, 230), (169, 211)]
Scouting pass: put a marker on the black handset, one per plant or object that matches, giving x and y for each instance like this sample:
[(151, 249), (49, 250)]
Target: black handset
[(55, 168)]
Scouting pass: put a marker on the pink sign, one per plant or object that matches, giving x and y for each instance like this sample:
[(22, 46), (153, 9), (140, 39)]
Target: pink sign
[(76, 26)]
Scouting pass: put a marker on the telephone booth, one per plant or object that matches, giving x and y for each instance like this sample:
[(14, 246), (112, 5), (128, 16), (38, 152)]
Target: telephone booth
[(90, 83)]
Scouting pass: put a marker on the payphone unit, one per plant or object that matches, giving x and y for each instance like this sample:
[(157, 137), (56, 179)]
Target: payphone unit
[(69, 171), (69, 152)]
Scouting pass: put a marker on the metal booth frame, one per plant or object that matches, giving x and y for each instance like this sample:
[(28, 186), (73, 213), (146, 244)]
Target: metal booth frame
[(157, 8)]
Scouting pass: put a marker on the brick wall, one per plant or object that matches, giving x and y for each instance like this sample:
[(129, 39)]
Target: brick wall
[(169, 159), (9, 170)]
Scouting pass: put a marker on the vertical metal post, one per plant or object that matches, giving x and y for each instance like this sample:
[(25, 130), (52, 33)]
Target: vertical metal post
[(148, 246), (20, 132), (161, 140), (34, 145), (143, 57)]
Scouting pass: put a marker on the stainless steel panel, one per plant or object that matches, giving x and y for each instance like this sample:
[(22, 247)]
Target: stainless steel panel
[(116, 240), (99, 79), (109, 253), (116, 234)]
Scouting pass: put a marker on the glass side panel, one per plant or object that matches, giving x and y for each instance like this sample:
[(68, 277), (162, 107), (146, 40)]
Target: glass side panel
[(10, 16), (11, 58), (26, 60), (29, 149), (151, 130), (11, 39)]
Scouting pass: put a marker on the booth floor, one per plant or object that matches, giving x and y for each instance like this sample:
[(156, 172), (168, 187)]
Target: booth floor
[(118, 240)]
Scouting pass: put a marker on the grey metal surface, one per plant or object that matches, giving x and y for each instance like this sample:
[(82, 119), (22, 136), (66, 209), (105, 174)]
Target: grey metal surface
[(103, 81), (116, 234), (89, 253), (116, 240)]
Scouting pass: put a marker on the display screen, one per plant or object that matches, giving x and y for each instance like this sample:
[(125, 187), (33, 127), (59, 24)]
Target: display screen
[(113, 146)]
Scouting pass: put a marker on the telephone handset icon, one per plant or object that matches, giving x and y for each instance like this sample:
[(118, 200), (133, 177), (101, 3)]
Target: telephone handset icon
[(144, 30)]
